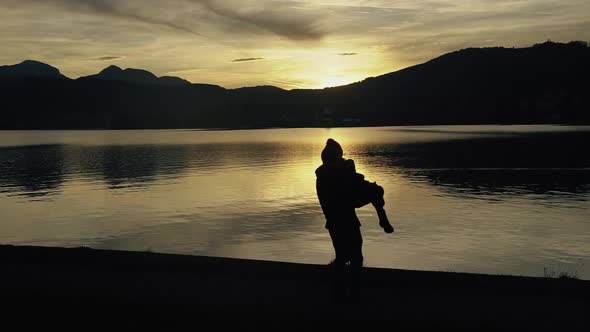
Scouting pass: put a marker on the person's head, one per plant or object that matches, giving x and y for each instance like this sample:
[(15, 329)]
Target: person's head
[(332, 152)]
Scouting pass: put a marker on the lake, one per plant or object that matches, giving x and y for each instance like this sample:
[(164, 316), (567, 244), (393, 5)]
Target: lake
[(485, 199)]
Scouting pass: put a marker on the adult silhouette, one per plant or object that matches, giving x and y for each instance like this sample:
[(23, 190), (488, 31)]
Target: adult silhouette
[(340, 190)]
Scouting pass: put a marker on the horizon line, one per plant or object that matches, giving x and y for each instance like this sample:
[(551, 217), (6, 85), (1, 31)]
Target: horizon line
[(322, 88)]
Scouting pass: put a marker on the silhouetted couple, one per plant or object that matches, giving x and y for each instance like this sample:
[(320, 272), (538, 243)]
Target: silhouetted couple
[(341, 190)]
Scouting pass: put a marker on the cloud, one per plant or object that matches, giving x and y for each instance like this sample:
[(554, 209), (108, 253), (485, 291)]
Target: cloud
[(75, 35), (288, 19), (109, 58), (246, 59), (144, 12), (185, 71)]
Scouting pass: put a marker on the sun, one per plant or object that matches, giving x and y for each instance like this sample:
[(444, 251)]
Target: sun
[(335, 81)]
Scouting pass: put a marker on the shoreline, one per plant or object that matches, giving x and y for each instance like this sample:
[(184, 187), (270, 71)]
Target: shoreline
[(499, 124), (211, 287)]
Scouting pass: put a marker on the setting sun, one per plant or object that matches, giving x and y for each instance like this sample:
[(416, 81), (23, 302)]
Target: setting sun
[(335, 81)]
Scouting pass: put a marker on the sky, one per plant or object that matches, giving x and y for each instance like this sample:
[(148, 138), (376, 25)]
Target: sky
[(289, 44)]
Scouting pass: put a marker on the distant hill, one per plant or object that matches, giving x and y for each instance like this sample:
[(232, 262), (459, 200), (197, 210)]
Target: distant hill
[(141, 76), (172, 80), (545, 83), (30, 69)]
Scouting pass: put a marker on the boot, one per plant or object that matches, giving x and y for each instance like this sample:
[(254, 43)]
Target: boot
[(383, 221)]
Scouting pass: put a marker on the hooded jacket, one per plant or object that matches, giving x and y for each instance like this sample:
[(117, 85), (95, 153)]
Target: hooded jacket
[(337, 188)]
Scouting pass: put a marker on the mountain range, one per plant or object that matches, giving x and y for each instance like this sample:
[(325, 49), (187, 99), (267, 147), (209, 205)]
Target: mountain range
[(544, 83)]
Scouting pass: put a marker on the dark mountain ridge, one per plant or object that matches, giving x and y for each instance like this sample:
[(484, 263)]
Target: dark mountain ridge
[(545, 83)]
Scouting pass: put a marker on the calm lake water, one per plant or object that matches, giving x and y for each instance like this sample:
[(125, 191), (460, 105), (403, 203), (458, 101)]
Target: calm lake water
[(486, 199)]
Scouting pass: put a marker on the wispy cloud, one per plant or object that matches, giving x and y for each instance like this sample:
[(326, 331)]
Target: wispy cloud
[(289, 84), (185, 71), (109, 58), (246, 59), (145, 11), (287, 19)]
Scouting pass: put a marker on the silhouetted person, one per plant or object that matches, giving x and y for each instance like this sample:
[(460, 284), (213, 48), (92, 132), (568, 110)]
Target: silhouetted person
[(340, 190)]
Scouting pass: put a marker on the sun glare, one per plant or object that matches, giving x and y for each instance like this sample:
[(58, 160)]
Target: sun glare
[(335, 81)]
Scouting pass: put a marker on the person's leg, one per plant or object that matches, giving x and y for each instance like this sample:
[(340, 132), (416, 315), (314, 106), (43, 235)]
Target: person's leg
[(356, 263), (378, 202), (383, 220), (338, 266)]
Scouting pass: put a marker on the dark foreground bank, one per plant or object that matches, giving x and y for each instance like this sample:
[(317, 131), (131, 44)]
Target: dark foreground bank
[(137, 287)]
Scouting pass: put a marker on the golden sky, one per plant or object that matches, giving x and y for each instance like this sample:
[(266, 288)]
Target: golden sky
[(290, 44)]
